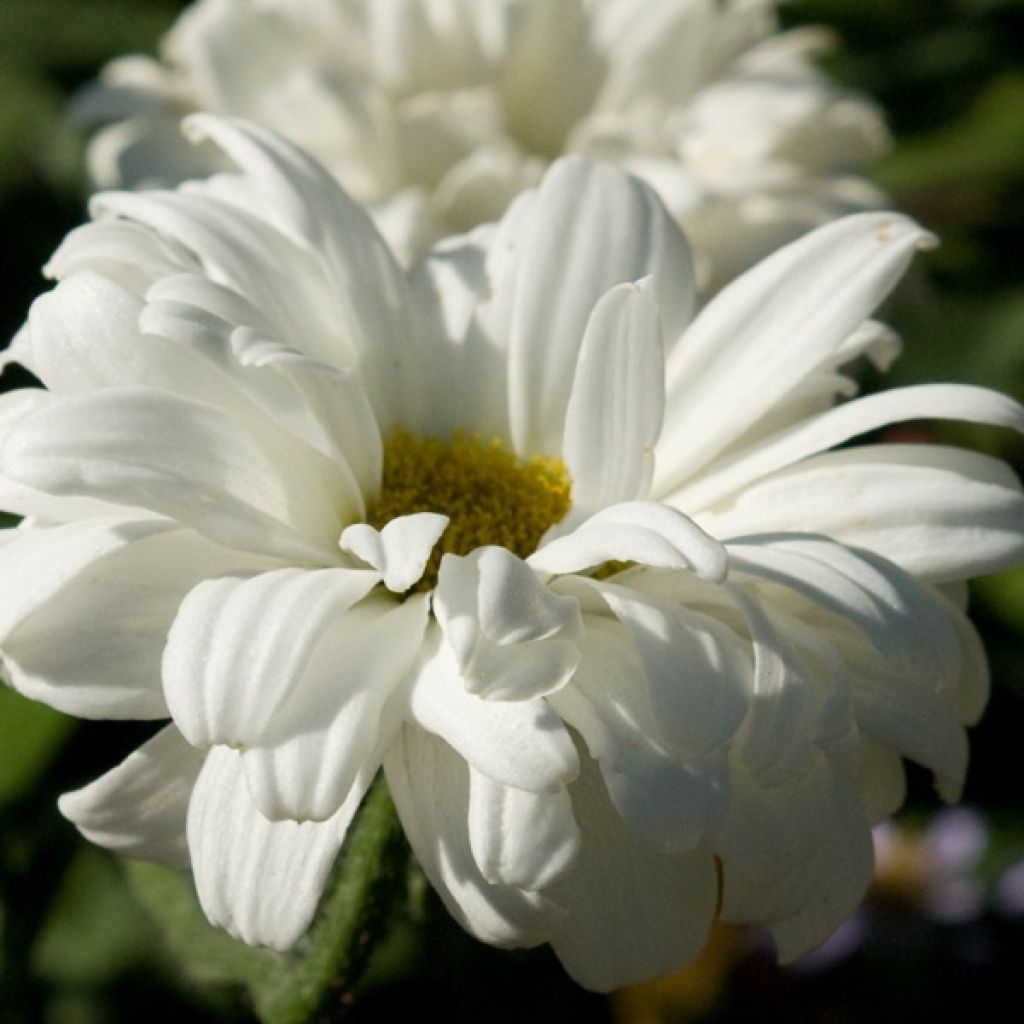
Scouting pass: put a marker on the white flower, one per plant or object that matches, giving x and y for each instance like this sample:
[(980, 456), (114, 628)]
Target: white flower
[(438, 112), (633, 648)]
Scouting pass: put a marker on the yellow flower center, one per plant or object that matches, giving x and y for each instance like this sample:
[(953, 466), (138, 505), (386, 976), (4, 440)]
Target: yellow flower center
[(490, 495)]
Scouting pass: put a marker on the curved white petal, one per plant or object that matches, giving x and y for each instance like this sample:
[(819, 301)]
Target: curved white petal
[(616, 405), (56, 647), (258, 880), (939, 513), (634, 531), (772, 327), (239, 645), (182, 459), (587, 228), (138, 809), (371, 298), (512, 638), (899, 616), (521, 743), (333, 729), (634, 912), (400, 551), (518, 838), (698, 670), (817, 434), (430, 786)]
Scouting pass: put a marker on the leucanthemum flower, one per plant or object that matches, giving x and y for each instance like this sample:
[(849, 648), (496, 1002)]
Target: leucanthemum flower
[(437, 113), (634, 649)]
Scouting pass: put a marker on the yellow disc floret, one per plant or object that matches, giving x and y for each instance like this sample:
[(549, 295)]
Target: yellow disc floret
[(490, 495)]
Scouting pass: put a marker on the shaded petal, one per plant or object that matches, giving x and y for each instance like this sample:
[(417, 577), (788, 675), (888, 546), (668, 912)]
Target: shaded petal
[(772, 327), (136, 574), (239, 645), (617, 402), (400, 551), (331, 730), (430, 786), (518, 838), (698, 670), (899, 616), (673, 801), (634, 912), (939, 513), (634, 531), (522, 743), (138, 809), (258, 880), (512, 638)]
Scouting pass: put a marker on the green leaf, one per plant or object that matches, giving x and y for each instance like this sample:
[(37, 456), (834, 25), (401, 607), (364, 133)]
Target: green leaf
[(315, 979), (29, 734)]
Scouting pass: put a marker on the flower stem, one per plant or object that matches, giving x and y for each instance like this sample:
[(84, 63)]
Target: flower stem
[(318, 983)]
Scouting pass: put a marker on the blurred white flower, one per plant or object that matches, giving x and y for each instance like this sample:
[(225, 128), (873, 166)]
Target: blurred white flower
[(633, 648), (437, 113)]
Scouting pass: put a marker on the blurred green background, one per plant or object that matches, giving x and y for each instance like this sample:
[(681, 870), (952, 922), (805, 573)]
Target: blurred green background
[(80, 941)]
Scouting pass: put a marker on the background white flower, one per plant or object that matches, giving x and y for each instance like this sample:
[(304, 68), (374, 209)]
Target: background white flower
[(674, 650), (438, 112)]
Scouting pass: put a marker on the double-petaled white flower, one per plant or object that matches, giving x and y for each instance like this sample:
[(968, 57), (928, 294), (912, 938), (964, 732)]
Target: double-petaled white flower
[(438, 112), (633, 648)]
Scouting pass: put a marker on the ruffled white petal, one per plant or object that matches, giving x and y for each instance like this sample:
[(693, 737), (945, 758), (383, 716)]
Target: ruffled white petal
[(138, 809), (400, 551), (430, 786), (521, 839), (512, 638), (258, 880), (58, 649), (336, 724), (239, 645), (617, 401), (634, 531), (522, 744)]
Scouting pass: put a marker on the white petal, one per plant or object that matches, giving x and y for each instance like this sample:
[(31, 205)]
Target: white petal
[(615, 409), (88, 608), (138, 808), (333, 727), (522, 744), (400, 551), (258, 880), (371, 297), (939, 513), (634, 531), (512, 638), (430, 786), (587, 228), (925, 401), (634, 913), (240, 644), (518, 838), (698, 670), (772, 327), (898, 615), (182, 459)]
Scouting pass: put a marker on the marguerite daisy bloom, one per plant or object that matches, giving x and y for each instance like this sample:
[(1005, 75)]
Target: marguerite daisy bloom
[(437, 113), (635, 651)]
